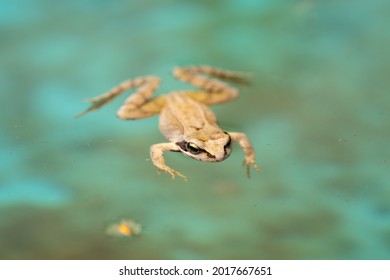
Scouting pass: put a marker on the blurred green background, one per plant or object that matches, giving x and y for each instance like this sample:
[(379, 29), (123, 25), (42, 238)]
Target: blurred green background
[(317, 113)]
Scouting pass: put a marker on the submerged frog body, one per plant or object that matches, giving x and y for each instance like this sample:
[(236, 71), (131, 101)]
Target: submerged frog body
[(185, 118)]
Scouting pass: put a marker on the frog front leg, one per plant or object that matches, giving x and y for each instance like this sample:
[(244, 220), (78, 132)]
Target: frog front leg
[(156, 154), (248, 149)]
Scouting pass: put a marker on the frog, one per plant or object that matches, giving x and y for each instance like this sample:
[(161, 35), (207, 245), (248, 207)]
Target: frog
[(185, 118)]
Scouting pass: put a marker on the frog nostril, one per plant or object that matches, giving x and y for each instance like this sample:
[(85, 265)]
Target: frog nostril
[(210, 155)]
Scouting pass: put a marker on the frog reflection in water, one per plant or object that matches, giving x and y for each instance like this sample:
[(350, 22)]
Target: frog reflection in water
[(185, 119)]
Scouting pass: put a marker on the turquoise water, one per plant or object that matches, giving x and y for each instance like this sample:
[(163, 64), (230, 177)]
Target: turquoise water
[(317, 113)]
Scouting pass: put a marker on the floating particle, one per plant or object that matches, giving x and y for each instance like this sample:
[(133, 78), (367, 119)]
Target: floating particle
[(124, 228)]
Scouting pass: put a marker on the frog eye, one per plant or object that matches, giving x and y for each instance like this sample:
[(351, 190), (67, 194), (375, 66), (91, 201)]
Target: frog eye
[(192, 148), (229, 142)]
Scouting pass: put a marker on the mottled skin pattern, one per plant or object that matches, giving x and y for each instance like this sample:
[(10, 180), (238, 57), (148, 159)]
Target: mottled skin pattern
[(185, 119)]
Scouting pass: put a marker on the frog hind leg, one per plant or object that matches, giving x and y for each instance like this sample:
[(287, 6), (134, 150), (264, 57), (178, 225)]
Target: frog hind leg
[(138, 105), (214, 91)]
